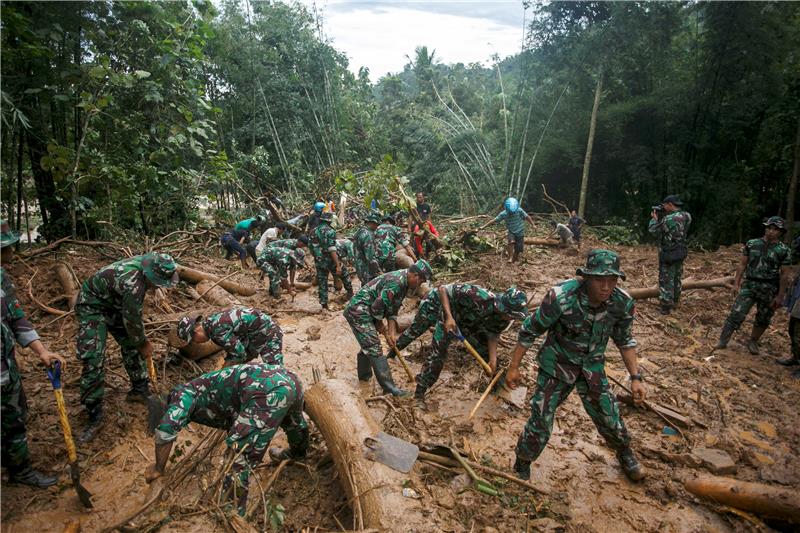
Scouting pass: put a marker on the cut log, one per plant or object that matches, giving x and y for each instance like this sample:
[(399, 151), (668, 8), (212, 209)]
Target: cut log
[(537, 241), (302, 285), (215, 295), (652, 292), (191, 351), (374, 490), (196, 276), (764, 500), (68, 283)]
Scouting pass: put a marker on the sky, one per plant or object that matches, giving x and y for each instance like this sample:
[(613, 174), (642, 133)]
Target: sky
[(381, 35)]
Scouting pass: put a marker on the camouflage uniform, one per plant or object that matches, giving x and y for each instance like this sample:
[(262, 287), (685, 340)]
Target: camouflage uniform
[(110, 301), (387, 238), (428, 313), (671, 231), (250, 401), (346, 253), (322, 243), (15, 328), (761, 282), (364, 247), (291, 244), (573, 356), (246, 333), (276, 262)]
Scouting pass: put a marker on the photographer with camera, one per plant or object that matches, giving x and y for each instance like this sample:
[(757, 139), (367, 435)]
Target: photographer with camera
[(671, 224)]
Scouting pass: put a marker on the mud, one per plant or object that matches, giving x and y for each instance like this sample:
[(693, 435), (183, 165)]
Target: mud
[(746, 403)]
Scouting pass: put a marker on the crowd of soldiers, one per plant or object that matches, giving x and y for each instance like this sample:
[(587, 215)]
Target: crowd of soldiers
[(254, 394)]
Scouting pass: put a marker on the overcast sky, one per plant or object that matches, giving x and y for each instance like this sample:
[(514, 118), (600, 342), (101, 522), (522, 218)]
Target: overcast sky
[(379, 34)]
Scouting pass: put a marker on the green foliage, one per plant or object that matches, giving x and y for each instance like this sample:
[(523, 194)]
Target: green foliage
[(383, 184)]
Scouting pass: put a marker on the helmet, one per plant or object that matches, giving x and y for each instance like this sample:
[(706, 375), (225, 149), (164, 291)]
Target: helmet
[(511, 205), (319, 206)]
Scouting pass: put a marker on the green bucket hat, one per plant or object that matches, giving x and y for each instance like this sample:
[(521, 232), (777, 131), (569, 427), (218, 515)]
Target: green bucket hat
[(513, 302), (778, 222), (160, 269), (7, 235), (423, 268), (186, 326), (373, 217), (601, 263)]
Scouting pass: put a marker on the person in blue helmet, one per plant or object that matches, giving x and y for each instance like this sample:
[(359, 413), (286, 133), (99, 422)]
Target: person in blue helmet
[(313, 220), (515, 218)]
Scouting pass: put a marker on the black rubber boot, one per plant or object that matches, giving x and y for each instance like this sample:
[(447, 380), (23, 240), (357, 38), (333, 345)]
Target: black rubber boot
[(419, 396), (284, 454), (383, 374), (724, 337), (789, 361), (26, 475), (139, 392), (665, 308), (522, 469), (755, 335), (796, 374), (363, 367), (96, 419), (630, 465)]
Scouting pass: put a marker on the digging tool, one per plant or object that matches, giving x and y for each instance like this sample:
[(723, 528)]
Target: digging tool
[(405, 365), (391, 451), (486, 393), (474, 353), (479, 484), (54, 374), (515, 397), (156, 403)]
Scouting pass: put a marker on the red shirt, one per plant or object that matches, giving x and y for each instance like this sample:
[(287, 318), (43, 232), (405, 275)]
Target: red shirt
[(418, 240)]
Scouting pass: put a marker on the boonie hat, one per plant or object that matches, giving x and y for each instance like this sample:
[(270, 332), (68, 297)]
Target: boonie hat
[(160, 269), (512, 302), (601, 263)]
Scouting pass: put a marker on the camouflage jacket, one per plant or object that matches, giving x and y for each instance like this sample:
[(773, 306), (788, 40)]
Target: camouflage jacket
[(15, 327), (764, 261), (364, 244), (115, 291), (291, 244), (219, 396), (671, 229), (387, 237), (322, 243), (474, 310), (577, 334), (241, 331), (383, 296), (280, 257), (344, 248)]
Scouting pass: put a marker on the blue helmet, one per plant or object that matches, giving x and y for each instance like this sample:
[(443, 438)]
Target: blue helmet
[(511, 205), (319, 206)]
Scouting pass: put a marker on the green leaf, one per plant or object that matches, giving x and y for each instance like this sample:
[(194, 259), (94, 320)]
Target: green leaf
[(141, 74)]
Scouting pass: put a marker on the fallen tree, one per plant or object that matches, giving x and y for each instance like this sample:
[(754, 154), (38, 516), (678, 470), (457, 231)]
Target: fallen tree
[(374, 491), (537, 241), (192, 350), (652, 292), (757, 498), (215, 294), (196, 276), (68, 283)]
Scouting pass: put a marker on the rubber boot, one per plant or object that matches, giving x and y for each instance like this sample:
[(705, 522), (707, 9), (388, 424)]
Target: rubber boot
[(755, 335), (665, 308), (630, 465), (724, 337), (363, 367), (27, 475), (96, 419), (522, 469), (419, 397), (796, 374), (139, 392), (380, 365), (792, 360), (283, 454)]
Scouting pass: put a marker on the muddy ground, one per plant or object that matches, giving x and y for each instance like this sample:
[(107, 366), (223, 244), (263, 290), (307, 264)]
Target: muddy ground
[(746, 406)]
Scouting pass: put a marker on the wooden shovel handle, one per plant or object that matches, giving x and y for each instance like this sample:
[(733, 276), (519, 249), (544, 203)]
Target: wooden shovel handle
[(486, 393), (405, 365), (151, 370), (474, 353), (65, 427)]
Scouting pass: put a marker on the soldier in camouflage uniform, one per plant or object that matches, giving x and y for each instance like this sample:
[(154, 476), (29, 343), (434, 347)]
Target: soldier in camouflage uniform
[(765, 268), (280, 265), (378, 300), (364, 247), (793, 308), (292, 244), (579, 315), (251, 402), (243, 332), (111, 301), (474, 312), (346, 253), (16, 329), (671, 230), (326, 258), (387, 238)]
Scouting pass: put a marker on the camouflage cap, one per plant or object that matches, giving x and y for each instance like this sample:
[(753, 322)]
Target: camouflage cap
[(374, 217), (326, 217), (7, 235), (601, 263), (513, 302), (160, 269), (387, 217), (423, 268), (186, 324), (298, 256), (778, 222), (672, 199)]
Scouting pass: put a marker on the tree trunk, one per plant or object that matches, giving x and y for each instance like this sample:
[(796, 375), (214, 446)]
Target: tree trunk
[(536, 241), (652, 292), (68, 283), (588, 159), (196, 276), (756, 498), (215, 294), (792, 196), (193, 350)]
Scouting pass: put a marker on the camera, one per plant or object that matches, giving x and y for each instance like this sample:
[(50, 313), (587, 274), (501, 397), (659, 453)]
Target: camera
[(659, 209)]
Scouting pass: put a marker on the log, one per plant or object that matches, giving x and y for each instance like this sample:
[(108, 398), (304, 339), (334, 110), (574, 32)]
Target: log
[(68, 283), (215, 295), (652, 292), (192, 350), (196, 276), (302, 285), (757, 498), (537, 241), (374, 490)]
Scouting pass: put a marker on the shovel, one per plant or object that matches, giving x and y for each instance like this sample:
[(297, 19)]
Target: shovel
[(515, 397), (54, 373), (156, 404), (391, 451), (405, 365)]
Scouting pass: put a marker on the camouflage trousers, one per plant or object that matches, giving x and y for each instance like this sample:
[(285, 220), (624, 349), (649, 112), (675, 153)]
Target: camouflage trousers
[(322, 281), (669, 282), (363, 326), (428, 313), (794, 335), (551, 392), (93, 330), (364, 270), (758, 293), (275, 273), (429, 373), (14, 447), (249, 434)]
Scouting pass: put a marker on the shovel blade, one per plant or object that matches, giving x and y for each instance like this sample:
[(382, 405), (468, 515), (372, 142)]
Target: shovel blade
[(391, 451), (515, 397), (156, 407), (83, 495)]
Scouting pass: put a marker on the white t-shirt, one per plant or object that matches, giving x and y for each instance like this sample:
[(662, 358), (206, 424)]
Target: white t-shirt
[(268, 236), (563, 232)]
